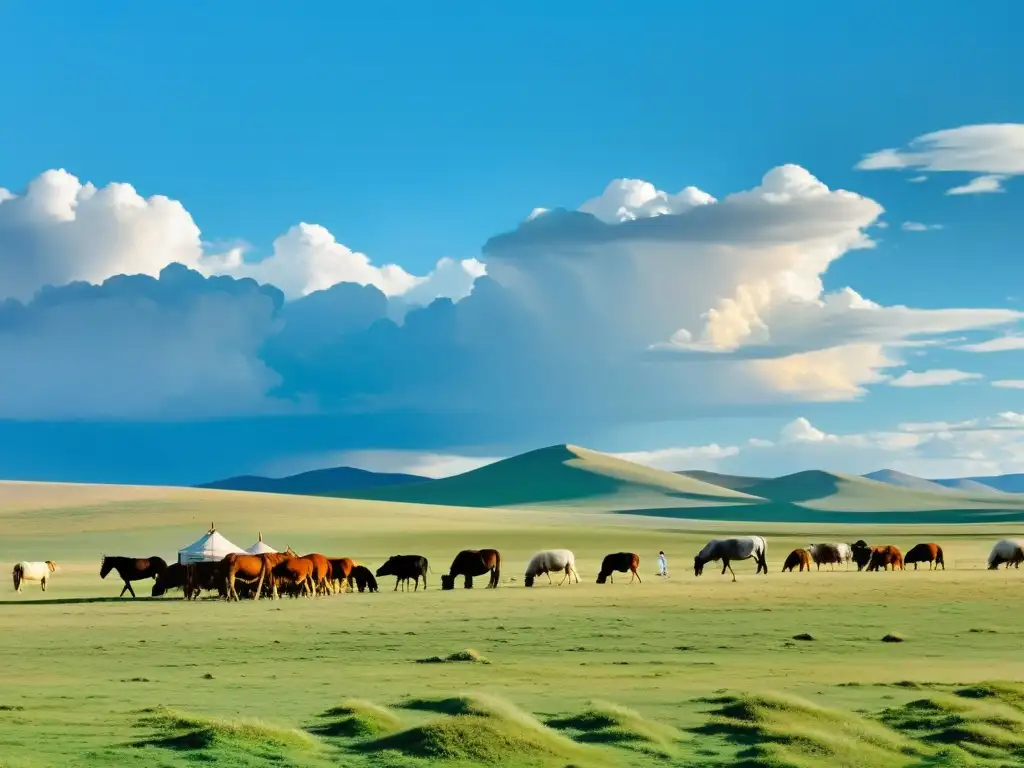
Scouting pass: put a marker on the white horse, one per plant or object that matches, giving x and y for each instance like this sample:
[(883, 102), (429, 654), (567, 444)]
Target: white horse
[(845, 553), (1006, 551), (551, 560), (33, 572), (740, 548)]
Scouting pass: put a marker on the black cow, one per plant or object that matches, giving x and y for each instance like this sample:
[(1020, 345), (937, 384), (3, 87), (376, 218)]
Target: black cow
[(624, 562), (404, 568), (474, 562), (173, 578), (363, 578)]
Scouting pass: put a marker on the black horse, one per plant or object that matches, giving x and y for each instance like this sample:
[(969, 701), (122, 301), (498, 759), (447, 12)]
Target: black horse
[(132, 569)]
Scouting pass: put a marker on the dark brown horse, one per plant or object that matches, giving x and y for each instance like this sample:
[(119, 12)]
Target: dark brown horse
[(623, 562), (132, 569), (885, 557), (474, 562)]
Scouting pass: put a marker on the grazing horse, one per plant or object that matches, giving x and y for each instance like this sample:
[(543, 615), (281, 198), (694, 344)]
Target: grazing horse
[(405, 568), (25, 571), (925, 553), (321, 573), (132, 569), (622, 562), (861, 553), (1006, 551), (726, 550), (798, 558), (827, 554), (885, 557), (363, 577), (341, 572), (549, 561), (474, 562)]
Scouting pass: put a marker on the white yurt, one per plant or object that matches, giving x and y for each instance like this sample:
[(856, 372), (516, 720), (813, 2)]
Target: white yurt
[(260, 547), (212, 547)]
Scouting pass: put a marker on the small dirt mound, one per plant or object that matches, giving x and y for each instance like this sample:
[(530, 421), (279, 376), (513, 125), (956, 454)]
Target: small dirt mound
[(805, 636), (468, 655), (355, 719), (893, 637)]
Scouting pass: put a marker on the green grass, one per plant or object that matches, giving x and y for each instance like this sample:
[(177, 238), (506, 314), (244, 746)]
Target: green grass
[(679, 672)]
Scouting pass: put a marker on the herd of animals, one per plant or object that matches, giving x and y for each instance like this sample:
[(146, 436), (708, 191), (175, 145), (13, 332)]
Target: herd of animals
[(273, 574)]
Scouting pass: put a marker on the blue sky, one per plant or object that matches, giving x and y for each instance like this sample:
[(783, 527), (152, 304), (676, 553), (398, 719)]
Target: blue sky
[(413, 134)]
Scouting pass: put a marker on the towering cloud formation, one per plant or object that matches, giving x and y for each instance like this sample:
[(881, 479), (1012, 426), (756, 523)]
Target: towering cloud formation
[(638, 305)]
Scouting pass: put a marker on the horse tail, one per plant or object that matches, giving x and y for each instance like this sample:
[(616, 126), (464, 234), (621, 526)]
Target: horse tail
[(17, 576)]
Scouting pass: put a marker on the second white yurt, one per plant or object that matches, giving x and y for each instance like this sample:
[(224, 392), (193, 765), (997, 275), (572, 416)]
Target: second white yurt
[(260, 547), (211, 547)]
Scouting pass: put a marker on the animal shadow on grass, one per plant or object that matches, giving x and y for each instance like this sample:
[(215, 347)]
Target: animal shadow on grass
[(83, 600)]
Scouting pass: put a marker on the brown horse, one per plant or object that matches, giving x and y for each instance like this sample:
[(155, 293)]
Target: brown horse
[(623, 562), (885, 557), (321, 573), (341, 573), (474, 562), (132, 569), (925, 553), (291, 572), (798, 558)]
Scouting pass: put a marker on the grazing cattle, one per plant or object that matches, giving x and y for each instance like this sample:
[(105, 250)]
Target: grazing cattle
[(845, 553), (404, 568), (1006, 551), (623, 562), (825, 554), (885, 557), (321, 573), (798, 558), (861, 553), (35, 571), (925, 553), (363, 577), (726, 550), (132, 569), (341, 572), (473, 562), (551, 561)]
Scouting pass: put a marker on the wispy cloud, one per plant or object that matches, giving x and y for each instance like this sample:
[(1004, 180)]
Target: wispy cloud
[(937, 377), (981, 185), (917, 226)]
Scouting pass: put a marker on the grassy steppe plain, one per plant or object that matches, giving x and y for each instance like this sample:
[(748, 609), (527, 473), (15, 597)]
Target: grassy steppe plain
[(679, 672)]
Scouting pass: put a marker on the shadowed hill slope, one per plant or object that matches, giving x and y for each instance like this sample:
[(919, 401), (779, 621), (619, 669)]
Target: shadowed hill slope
[(314, 483), (904, 480), (563, 475), (732, 482)]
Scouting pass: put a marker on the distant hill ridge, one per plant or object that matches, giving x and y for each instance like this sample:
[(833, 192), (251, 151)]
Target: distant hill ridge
[(562, 475), (317, 482)]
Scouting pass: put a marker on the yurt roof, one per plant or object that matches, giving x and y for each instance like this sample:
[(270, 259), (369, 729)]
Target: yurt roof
[(260, 547), (210, 547)]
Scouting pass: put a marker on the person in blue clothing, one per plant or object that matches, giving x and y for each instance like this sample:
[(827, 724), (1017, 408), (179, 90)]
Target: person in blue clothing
[(662, 564)]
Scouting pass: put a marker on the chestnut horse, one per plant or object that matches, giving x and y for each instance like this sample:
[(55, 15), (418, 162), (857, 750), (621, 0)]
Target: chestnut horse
[(798, 558), (474, 562), (132, 569), (341, 573)]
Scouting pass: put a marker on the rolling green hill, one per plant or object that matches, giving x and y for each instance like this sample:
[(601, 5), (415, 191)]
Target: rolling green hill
[(732, 482), (563, 475)]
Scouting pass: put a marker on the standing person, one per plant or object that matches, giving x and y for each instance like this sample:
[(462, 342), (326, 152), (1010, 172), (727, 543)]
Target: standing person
[(662, 564)]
